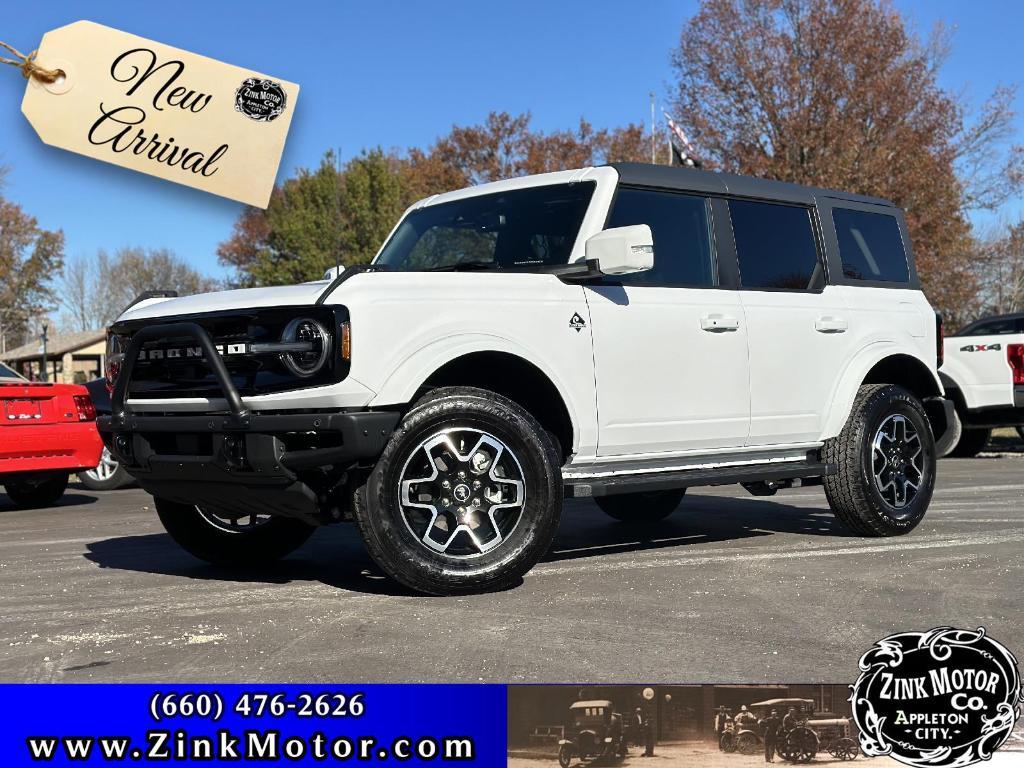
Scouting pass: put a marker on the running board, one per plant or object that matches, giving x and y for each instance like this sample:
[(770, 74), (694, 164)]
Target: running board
[(684, 478)]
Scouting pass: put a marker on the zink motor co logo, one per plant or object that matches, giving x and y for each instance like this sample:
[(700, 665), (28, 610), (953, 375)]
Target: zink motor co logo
[(946, 697)]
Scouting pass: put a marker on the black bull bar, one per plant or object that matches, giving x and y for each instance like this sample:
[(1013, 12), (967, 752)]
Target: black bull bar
[(235, 461)]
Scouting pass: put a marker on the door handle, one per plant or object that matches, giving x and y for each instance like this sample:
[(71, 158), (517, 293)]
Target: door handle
[(829, 324), (716, 323)]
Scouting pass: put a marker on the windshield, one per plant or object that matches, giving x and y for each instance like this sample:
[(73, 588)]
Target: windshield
[(7, 373), (518, 229)]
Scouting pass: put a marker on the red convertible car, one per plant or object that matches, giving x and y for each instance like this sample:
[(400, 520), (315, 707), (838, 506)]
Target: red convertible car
[(47, 432)]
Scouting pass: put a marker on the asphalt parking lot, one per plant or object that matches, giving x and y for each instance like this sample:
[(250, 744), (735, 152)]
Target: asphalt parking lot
[(732, 588)]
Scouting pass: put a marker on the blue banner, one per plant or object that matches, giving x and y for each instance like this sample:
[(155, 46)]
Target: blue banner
[(301, 724)]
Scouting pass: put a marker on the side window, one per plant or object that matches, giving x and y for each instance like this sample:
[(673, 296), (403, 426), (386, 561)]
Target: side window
[(870, 246), (998, 327), (775, 246), (683, 255)]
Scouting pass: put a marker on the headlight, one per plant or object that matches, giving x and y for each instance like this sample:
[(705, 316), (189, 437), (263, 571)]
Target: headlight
[(114, 359), (308, 346)]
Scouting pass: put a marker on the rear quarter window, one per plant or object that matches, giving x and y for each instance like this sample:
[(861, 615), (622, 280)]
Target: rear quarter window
[(870, 246)]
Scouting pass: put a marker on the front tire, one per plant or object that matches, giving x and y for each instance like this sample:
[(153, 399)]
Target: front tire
[(226, 541), (641, 508), (885, 458), (38, 491), (466, 496)]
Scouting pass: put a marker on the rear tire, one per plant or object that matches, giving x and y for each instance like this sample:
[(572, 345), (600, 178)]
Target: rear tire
[(436, 521), (884, 484), (971, 443), (34, 492), (201, 535), (641, 508)]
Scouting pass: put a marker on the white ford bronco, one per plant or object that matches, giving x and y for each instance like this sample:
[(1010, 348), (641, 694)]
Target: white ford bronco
[(983, 375), (621, 333)]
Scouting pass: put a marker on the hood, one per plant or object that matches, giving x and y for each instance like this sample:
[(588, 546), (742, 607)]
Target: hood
[(243, 298)]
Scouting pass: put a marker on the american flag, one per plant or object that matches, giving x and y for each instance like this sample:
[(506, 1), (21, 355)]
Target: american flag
[(687, 154)]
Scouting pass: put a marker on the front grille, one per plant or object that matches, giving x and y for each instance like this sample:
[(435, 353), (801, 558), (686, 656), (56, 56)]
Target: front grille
[(175, 368)]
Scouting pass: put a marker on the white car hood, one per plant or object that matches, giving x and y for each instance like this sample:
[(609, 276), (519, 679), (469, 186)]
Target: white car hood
[(304, 294)]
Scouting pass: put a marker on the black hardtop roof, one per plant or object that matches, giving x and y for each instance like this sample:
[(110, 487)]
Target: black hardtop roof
[(713, 182)]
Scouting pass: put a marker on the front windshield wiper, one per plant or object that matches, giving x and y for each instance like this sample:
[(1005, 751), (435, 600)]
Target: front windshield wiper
[(460, 265)]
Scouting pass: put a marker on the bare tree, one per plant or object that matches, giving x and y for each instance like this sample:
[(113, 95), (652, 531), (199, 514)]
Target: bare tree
[(95, 291)]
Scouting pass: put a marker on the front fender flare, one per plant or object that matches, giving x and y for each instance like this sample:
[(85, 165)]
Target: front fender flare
[(406, 379)]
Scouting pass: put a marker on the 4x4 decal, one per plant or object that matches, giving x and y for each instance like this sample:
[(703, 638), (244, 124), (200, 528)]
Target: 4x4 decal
[(577, 322), (981, 348)]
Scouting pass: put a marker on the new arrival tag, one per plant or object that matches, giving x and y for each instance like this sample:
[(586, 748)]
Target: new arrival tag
[(161, 110)]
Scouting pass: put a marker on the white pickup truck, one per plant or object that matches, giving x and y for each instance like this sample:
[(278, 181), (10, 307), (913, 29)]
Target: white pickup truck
[(983, 375), (621, 333)]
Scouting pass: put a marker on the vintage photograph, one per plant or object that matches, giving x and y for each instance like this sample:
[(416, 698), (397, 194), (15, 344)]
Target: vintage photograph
[(719, 726)]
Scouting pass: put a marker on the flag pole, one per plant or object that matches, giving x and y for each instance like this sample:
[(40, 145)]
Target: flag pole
[(652, 128)]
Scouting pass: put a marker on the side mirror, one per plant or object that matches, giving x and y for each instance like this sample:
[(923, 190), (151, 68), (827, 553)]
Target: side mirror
[(333, 272), (622, 250)]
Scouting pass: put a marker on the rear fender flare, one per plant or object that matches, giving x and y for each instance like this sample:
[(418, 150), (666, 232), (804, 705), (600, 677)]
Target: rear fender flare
[(853, 376)]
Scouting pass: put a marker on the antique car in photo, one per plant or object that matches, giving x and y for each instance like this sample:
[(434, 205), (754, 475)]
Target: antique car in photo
[(815, 731), (595, 731)]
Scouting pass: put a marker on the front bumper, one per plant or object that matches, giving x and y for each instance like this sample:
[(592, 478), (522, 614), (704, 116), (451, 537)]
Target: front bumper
[(210, 460), (67, 447), (238, 461)]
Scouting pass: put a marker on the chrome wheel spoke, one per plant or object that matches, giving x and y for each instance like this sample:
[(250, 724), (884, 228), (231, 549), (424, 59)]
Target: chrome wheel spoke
[(462, 492), (897, 461)]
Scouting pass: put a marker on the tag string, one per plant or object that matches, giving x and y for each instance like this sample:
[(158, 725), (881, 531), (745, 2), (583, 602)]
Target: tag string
[(28, 66)]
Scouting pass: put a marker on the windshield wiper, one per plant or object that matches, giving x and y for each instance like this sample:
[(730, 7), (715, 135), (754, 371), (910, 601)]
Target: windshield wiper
[(460, 265)]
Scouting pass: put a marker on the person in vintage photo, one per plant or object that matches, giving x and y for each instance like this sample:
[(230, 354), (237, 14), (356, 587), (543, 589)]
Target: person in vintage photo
[(770, 726)]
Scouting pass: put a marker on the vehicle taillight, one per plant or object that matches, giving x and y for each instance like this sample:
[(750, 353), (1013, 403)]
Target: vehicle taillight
[(1015, 356), (86, 409), (940, 341)]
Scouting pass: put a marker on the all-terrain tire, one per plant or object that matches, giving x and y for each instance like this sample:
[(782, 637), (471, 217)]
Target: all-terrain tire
[(971, 443), (641, 508), (852, 492), (399, 548), (40, 491), (265, 543)]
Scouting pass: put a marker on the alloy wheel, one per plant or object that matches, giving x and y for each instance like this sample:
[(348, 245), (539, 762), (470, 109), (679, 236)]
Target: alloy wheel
[(462, 492), (897, 461), (105, 469)]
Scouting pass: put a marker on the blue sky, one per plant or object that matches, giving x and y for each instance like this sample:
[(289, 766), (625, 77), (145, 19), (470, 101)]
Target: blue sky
[(398, 74)]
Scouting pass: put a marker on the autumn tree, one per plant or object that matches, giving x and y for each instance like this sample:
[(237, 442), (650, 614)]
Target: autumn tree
[(30, 259), (96, 290), (839, 93), (345, 214)]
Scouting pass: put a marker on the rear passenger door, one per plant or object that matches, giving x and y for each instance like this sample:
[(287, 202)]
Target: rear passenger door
[(797, 325), (670, 344)]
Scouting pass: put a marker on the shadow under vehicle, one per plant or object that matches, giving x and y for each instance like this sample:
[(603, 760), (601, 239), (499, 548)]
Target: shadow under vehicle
[(595, 732)]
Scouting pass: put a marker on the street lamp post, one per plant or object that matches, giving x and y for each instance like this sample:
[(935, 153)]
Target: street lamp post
[(42, 373)]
